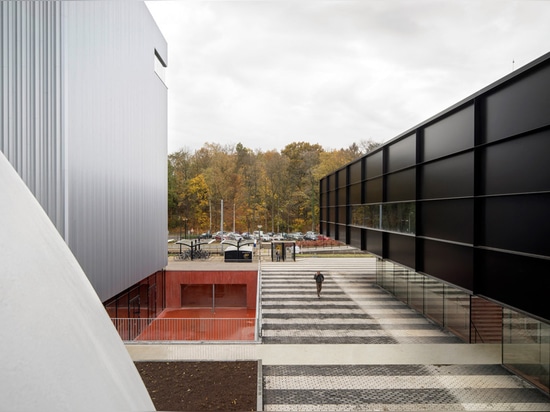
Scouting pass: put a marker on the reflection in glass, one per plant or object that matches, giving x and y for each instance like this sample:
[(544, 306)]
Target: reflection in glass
[(416, 291), (526, 347), (393, 217), (399, 217), (433, 300), (457, 312), (385, 275), (401, 280)]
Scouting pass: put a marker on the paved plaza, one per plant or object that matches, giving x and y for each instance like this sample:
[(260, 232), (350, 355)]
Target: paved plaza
[(357, 348)]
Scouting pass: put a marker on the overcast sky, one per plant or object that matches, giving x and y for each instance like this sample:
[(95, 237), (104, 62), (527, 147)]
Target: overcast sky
[(268, 73)]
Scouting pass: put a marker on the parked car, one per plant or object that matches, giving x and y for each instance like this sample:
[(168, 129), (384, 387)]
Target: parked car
[(205, 235), (234, 236), (311, 236), (220, 235), (296, 236)]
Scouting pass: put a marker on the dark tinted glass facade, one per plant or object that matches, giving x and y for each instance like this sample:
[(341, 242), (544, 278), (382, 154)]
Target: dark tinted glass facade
[(461, 199)]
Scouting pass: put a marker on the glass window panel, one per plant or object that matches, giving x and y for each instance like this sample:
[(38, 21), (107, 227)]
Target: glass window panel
[(160, 67), (401, 276), (433, 300), (111, 308), (122, 306), (416, 291), (399, 217), (144, 299), (366, 216), (457, 312), (526, 347), (152, 299), (161, 304), (396, 217), (386, 269), (379, 271)]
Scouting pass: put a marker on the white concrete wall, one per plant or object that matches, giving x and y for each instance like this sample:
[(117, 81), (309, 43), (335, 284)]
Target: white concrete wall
[(58, 348)]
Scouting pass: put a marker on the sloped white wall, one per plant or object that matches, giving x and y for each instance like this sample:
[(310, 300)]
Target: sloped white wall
[(58, 348)]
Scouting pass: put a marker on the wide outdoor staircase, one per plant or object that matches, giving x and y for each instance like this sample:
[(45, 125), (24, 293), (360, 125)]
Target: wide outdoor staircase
[(486, 321)]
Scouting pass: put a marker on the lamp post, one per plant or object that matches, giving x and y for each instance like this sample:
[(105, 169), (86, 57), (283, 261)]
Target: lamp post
[(259, 242), (185, 223)]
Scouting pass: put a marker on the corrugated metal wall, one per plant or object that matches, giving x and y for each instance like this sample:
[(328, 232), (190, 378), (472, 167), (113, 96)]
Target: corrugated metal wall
[(31, 106), (83, 120)]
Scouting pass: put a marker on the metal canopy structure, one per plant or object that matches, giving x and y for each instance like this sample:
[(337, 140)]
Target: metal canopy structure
[(283, 250)]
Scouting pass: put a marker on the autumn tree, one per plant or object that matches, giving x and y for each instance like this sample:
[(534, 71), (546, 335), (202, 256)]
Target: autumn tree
[(197, 195), (303, 159), (277, 176), (179, 174), (278, 190)]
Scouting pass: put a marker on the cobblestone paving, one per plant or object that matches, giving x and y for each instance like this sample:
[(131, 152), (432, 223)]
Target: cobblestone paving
[(353, 310), (397, 387)]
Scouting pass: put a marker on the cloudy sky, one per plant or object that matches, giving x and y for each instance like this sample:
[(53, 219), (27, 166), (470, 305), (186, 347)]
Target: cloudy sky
[(268, 73)]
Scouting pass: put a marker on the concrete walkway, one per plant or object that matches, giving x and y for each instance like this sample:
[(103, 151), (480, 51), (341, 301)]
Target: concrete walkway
[(352, 354), (357, 348)]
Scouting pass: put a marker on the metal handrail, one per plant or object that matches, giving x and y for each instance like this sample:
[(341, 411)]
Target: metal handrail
[(185, 329), (476, 334), (258, 331)]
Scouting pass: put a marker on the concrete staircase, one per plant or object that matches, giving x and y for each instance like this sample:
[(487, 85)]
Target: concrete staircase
[(486, 321)]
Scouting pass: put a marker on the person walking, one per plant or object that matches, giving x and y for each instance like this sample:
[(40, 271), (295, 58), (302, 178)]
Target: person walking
[(319, 279)]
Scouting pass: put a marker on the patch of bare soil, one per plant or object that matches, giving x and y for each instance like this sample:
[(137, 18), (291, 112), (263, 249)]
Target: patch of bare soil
[(201, 386)]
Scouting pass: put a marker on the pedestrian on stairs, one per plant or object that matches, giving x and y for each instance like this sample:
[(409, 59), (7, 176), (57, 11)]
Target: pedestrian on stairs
[(319, 279)]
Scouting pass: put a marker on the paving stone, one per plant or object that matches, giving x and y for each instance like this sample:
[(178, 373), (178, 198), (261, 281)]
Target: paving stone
[(352, 310)]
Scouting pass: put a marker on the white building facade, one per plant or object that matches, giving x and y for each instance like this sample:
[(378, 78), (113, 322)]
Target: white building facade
[(83, 120)]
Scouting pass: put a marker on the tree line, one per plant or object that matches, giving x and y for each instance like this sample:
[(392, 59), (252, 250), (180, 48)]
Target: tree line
[(277, 190)]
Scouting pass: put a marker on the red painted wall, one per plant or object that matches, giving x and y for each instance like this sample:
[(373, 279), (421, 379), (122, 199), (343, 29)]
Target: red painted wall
[(174, 280)]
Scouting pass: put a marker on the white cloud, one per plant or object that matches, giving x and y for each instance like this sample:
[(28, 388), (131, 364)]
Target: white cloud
[(267, 73)]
